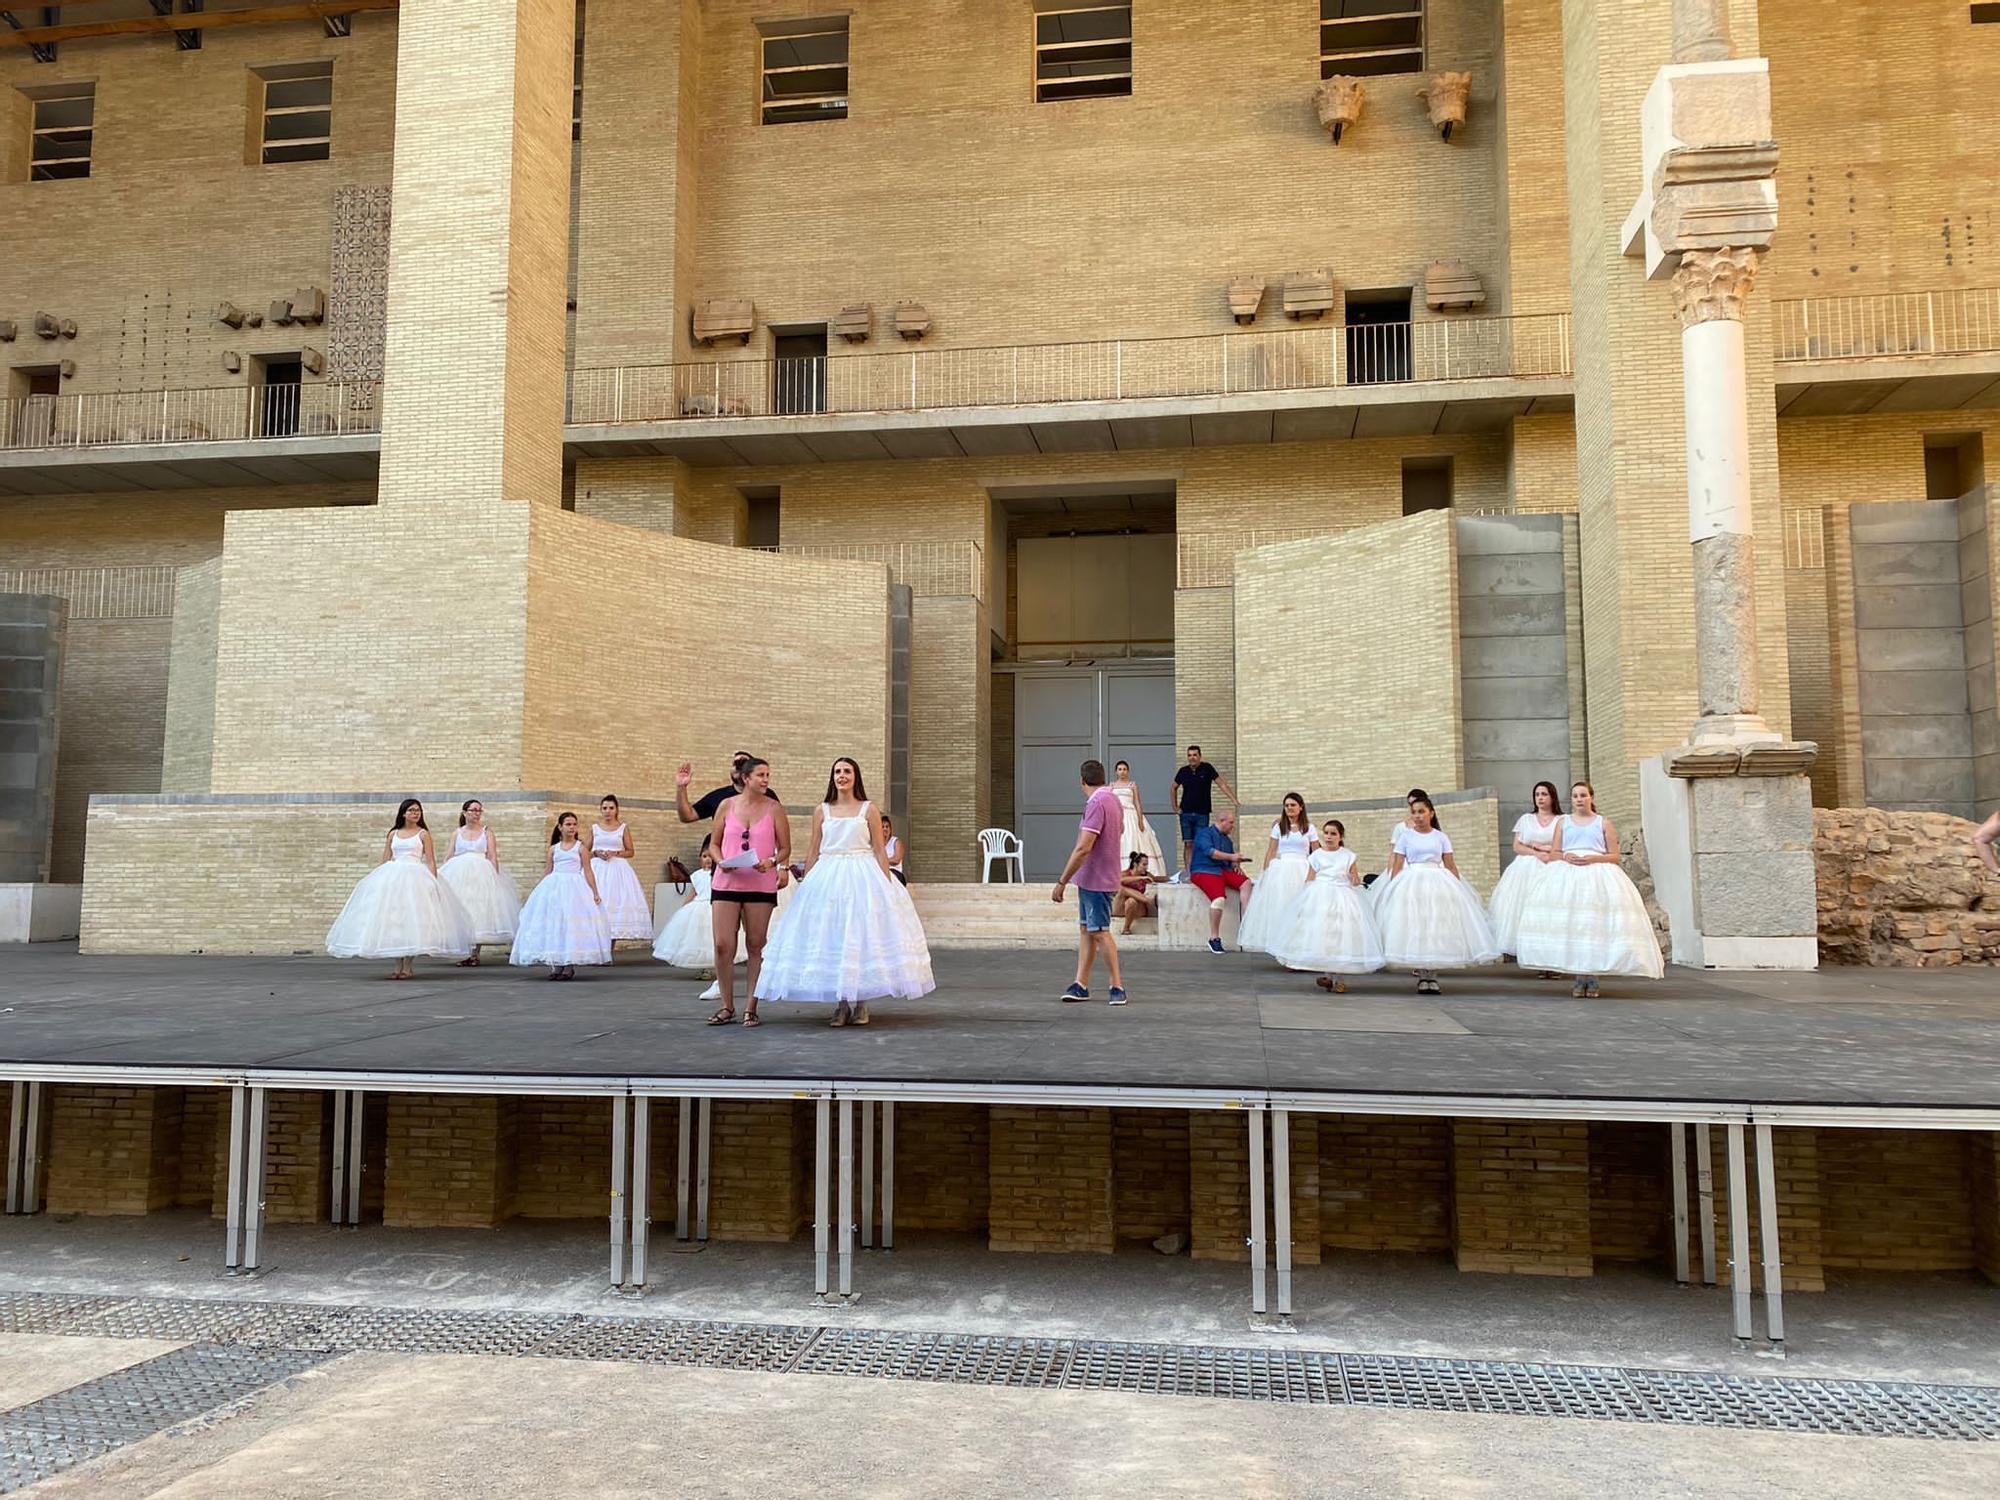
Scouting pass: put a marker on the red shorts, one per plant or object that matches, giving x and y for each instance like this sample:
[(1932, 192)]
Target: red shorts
[(1212, 886)]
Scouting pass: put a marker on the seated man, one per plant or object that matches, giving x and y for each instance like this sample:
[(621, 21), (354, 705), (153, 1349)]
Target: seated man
[(1135, 897), (1216, 870)]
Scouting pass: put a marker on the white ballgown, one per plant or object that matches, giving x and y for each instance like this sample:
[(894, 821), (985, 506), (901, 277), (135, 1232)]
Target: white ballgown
[(561, 923), (1429, 917), (1274, 891), (488, 897), (1587, 919), (851, 933), (1136, 835), (1511, 894), (1330, 929), (625, 908), (688, 939), (400, 910)]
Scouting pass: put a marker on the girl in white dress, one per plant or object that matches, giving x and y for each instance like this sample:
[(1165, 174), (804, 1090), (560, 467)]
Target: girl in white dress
[(1534, 836), (688, 939), (400, 908), (1376, 889), (1330, 930), (1584, 916), (1137, 835), (562, 921), (473, 874), (1429, 917), (1284, 877), (625, 906), (851, 934)]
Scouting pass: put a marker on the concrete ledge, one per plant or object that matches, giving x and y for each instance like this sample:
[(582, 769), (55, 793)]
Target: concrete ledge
[(1184, 919), (39, 913)]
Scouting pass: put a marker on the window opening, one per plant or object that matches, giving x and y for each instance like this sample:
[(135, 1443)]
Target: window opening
[(278, 397), (298, 112), (804, 71), (1368, 38), (64, 120), (1378, 336), (1083, 54), (798, 371)]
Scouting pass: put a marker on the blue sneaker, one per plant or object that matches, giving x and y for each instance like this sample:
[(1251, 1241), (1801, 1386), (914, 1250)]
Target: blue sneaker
[(1215, 945), (1117, 995), (1074, 993)]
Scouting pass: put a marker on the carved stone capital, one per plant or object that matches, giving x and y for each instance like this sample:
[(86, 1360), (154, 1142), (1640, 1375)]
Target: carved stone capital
[(1338, 100), (1446, 95), (1712, 284)]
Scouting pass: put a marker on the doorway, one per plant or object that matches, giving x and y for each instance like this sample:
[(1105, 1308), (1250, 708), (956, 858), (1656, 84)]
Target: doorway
[(1378, 336), (33, 391), (279, 378), (798, 370), (1064, 716)]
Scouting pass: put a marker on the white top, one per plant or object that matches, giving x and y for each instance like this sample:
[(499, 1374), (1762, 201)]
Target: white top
[(845, 835), (1294, 845), (1421, 848), (700, 881), (1529, 831), (892, 850), (462, 845), (1127, 792), (1333, 864), (606, 838), (406, 848), (1584, 837), (570, 859)]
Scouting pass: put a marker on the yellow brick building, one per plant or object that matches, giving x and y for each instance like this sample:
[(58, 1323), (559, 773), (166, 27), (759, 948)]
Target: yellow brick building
[(517, 398)]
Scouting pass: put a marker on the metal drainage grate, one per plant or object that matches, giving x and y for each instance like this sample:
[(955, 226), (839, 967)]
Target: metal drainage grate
[(89, 1420)]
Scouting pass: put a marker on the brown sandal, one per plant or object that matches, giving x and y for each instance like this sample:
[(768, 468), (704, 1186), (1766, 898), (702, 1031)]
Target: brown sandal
[(750, 1019), (723, 1017)]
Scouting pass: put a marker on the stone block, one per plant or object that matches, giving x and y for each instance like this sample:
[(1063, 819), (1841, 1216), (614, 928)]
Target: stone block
[(1896, 693), (1975, 601), (1514, 781), (1518, 739), (1912, 782), (1888, 563), (1515, 696), (1510, 615), (38, 912), (1183, 919), (1906, 606), (1979, 692), (1917, 736), (1484, 536), (1903, 521), (1939, 649), (1513, 656), (1751, 814), (1769, 893), (1528, 573)]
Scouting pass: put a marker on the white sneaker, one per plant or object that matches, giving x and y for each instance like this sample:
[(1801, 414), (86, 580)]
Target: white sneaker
[(713, 992)]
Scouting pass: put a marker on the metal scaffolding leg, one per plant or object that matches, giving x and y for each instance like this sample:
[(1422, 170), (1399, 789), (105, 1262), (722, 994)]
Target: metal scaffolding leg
[(243, 1214), (822, 1110), (1769, 1251), (631, 1151), (706, 1111), (1739, 1235), (1677, 1133), (620, 1178), (642, 1184), (845, 1241), (888, 1174), (1704, 1177), (684, 1145), (1258, 1302), (24, 1150), (1281, 1194), (867, 1174)]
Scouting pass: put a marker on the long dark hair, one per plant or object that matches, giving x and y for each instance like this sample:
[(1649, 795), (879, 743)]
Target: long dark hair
[(1418, 794), (618, 806), (404, 806), (555, 833), (1429, 807), (468, 802), (1285, 824), (860, 791), (1555, 798)]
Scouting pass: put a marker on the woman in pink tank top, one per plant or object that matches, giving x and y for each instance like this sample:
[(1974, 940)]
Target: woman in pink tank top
[(752, 842)]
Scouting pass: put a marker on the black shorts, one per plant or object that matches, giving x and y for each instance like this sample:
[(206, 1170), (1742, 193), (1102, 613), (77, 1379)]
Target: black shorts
[(743, 898)]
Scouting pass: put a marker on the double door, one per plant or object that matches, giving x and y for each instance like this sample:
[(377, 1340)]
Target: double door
[(1064, 716)]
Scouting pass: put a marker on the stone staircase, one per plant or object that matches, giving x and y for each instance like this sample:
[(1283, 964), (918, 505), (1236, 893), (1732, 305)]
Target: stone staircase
[(1005, 916)]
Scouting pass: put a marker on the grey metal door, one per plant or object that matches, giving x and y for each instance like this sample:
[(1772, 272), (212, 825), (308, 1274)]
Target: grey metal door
[(1064, 716)]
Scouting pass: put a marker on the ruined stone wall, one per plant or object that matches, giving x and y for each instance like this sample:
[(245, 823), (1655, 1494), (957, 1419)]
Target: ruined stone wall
[(1902, 889)]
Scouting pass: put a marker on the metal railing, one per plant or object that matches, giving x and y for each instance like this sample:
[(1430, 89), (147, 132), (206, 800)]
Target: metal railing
[(1891, 324), (136, 593), (1443, 349), (930, 569), (203, 415)]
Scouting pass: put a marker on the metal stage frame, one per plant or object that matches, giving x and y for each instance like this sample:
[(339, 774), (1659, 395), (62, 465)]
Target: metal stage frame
[(843, 1153)]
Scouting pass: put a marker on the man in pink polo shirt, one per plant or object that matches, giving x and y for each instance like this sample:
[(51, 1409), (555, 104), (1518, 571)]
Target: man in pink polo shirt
[(1093, 865)]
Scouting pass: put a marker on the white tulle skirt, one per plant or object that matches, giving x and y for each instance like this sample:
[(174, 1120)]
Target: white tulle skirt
[(688, 939), (561, 924), (1431, 919), (400, 910), (1509, 896), (850, 933), (1330, 931), (1271, 903), (489, 898), (1588, 919), (625, 908), (1138, 838)]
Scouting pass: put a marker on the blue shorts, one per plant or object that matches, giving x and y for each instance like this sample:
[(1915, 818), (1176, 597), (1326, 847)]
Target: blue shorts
[(1190, 822), (1093, 910)]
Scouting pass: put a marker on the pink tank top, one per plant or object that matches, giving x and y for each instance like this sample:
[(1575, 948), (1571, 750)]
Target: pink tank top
[(762, 840)]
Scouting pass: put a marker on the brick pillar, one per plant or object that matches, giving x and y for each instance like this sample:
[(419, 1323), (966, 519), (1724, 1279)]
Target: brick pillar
[(562, 1158), (1049, 1179), (1801, 1226), (1985, 1151), (1385, 1182), (1521, 1196), (113, 1150), (1219, 1186), (1149, 1172), (760, 1168), (943, 1166), (450, 1161)]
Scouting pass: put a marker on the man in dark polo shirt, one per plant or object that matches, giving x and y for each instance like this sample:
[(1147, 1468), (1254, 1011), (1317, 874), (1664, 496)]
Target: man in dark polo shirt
[(1193, 799), (703, 811)]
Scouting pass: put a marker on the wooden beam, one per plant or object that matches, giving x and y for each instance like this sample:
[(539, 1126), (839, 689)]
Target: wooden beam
[(259, 15)]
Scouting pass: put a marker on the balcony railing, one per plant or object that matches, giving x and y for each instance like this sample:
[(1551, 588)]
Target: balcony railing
[(931, 569), (1888, 325), (206, 415), (1444, 349), (145, 592)]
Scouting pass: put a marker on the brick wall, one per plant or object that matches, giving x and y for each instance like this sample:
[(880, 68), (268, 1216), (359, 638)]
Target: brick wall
[(942, 1166), (1385, 1182), (1050, 1173), (113, 1149), (1897, 1200), (450, 1162), (1984, 1150), (760, 1169), (1521, 1197), (1219, 1193), (1149, 1172), (1630, 1195), (188, 742), (562, 1167)]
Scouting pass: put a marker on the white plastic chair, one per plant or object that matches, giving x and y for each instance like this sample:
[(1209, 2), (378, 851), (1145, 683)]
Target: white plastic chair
[(999, 846)]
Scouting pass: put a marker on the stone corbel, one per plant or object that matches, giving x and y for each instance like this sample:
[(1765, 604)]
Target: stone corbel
[(1758, 758), (1246, 296), (1339, 100), (1447, 95), (1709, 163)]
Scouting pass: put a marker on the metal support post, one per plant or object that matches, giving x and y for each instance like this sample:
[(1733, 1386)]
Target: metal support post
[(1704, 1177), (707, 1126), (641, 1208), (1768, 1251), (822, 1109), (1739, 1235), (888, 1174), (1281, 1194), (24, 1150), (1677, 1133), (1257, 1298), (244, 1211), (620, 1109), (845, 1242), (344, 1201), (867, 1174), (684, 1146)]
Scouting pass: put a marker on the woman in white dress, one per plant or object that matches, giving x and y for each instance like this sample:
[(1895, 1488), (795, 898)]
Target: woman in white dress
[(1534, 838), (562, 921), (1137, 835), (625, 906), (1284, 877), (851, 934), (1330, 930), (1378, 887), (688, 939), (473, 874), (1429, 917), (400, 908), (1584, 916)]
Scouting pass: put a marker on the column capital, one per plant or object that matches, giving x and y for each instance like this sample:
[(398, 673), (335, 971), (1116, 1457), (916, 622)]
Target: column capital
[(1713, 284)]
